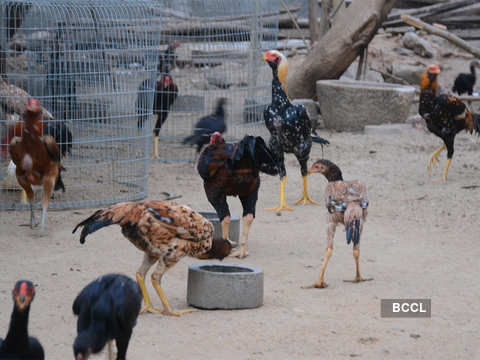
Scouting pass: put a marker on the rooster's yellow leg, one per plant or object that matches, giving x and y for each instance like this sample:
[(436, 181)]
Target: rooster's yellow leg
[(358, 277), (432, 162), (283, 205), (23, 197), (155, 147), (445, 170), (320, 284), (305, 197), (167, 310), (247, 224), (146, 298)]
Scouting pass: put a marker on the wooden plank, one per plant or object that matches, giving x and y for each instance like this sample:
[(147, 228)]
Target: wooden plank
[(394, 19), (410, 20)]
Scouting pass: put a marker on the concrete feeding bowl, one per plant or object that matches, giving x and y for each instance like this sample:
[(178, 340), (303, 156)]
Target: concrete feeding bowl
[(350, 105), (234, 231), (224, 286)]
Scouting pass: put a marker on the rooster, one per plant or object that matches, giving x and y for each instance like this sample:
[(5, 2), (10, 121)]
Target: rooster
[(18, 345), (13, 101), (234, 170), (347, 203), (165, 232), (107, 309), (207, 125), (445, 116), (289, 126), (37, 160), (166, 92)]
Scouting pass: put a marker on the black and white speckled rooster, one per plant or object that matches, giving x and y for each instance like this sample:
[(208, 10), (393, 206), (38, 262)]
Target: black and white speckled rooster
[(289, 126)]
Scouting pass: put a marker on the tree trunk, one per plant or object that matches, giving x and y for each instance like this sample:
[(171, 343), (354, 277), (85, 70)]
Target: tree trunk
[(312, 19), (325, 17), (353, 29)]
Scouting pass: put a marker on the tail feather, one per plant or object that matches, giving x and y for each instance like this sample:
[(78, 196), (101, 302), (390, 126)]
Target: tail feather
[(98, 220), (353, 223), (320, 140), (59, 183), (476, 120), (353, 232)]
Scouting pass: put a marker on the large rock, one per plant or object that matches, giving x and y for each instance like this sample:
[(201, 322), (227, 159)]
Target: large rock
[(410, 73), (420, 46), (350, 105)]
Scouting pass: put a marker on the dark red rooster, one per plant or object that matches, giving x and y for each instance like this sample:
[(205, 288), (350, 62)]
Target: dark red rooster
[(234, 170), (166, 92), (445, 116), (18, 345), (107, 310)]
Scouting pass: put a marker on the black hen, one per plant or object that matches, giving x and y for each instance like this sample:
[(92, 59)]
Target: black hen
[(290, 127), (464, 82), (18, 345), (166, 92), (62, 135), (234, 170), (107, 310), (207, 125)]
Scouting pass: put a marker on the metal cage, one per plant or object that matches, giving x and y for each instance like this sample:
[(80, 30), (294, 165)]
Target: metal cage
[(82, 60), (220, 56), (94, 66)]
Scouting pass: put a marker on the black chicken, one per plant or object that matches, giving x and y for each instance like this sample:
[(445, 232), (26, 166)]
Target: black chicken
[(464, 82), (166, 92), (207, 125), (18, 345), (445, 116), (234, 170), (290, 127), (62, 135), (107, 309)]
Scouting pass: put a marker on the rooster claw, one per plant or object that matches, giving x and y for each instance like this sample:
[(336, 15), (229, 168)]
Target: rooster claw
[(358, 279), (322, 285), (304, 200), (279, 208), (177, 313), (150, 309)]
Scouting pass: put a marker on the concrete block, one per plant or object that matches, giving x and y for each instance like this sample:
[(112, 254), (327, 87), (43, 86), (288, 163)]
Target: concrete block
[(224, 286), (350, 105)]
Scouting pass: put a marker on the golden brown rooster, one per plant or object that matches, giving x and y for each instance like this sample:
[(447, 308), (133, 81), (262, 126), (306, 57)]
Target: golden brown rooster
[(165, 232), (347, 204), (37, 160)]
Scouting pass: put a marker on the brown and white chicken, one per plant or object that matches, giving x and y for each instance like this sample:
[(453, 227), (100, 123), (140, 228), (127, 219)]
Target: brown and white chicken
[(347, 203), (165, 232)]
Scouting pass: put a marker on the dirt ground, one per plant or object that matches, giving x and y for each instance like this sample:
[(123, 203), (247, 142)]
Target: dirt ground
[(420, 241)]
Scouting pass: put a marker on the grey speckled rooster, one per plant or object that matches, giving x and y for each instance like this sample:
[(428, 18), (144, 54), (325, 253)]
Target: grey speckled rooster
[(290, 127)]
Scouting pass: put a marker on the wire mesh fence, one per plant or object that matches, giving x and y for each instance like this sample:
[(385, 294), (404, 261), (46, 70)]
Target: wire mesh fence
[(105, 70), (220, 56), (82, 61)]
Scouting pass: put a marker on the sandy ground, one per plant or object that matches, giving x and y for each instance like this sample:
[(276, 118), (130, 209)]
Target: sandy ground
[(420, 241)]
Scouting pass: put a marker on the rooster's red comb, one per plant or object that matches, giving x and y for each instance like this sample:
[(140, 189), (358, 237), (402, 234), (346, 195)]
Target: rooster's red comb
[(215, 138), (33, 102)]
